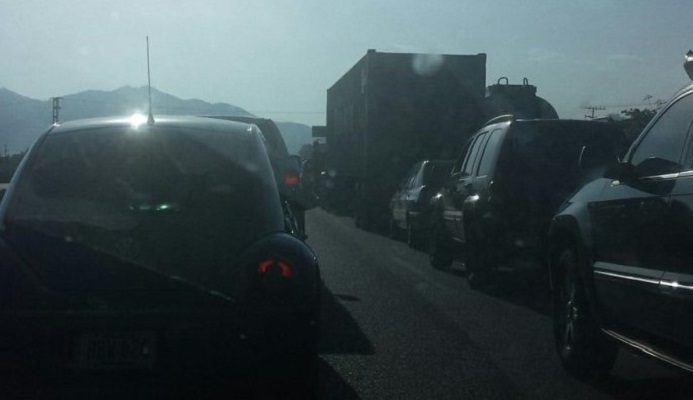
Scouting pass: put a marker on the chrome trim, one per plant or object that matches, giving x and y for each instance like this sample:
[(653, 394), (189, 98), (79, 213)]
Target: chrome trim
[(685, 174), (663, 177), (649, 350), (627, 277), (676, 285)]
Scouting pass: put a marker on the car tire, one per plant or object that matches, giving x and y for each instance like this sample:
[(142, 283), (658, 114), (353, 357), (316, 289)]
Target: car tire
[(412, 236), (439, 252), (393, 230), (583, 349), (480, 266), (478, 275)]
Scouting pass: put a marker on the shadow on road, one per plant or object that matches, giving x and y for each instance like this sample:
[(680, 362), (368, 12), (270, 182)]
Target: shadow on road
[(332, 386), (671, 388), (339, 332), (529, 289)]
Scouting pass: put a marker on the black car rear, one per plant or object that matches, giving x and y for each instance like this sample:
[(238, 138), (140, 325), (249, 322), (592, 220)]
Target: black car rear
[(129, 246)]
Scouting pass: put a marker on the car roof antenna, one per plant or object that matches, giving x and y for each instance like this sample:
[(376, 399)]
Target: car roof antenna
[(150, 118)]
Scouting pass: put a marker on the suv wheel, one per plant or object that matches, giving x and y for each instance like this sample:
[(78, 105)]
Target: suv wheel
[(393, 229), (477, 272), (480, 265), (439, 253), (583, 349), (413, 236)]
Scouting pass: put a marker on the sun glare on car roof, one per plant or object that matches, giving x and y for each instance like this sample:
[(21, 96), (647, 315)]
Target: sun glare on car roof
[(138, 119)]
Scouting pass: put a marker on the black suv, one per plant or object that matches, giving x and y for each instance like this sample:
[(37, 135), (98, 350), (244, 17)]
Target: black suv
[(498, 201), (621, 251)]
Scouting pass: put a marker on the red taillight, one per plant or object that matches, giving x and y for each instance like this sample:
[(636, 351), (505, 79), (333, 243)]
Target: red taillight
[(291, 180), (267, 265)]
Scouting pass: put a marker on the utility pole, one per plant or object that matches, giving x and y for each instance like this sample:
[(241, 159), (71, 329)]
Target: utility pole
[(593, 109), (56, 109)]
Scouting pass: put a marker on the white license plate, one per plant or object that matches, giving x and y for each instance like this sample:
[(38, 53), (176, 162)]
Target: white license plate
[(120, 350)]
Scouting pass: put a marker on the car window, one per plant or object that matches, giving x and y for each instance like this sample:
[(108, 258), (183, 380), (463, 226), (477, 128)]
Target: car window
[(667, 135), (459, 163), (470, 160), (490, 152), (177, 192), (436, 172), (409, 177), (417, 179)]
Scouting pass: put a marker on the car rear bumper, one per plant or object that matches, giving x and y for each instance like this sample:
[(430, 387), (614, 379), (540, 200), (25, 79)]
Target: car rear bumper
[(163, 342)]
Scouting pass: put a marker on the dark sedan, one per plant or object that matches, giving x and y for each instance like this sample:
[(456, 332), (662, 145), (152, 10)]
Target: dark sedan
[(410, 208), (159, 248)]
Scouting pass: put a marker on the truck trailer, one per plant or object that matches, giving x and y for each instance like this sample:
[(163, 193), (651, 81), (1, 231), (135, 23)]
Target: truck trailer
[(391, 110)]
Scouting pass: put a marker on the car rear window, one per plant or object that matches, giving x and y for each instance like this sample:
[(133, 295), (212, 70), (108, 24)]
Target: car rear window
[(437, 171), (543, 160), (184, 197)]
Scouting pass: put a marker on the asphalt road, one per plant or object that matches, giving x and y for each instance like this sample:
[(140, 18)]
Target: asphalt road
[(395, 328)]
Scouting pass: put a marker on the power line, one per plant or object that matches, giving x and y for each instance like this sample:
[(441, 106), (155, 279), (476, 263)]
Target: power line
[(593, 109)]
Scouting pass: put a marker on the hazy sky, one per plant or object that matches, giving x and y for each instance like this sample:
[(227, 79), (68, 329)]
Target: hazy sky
[(276, 58)]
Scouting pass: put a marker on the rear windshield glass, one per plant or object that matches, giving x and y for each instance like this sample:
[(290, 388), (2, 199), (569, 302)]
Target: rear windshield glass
[(172, 195), (437, 171), (544, 157)]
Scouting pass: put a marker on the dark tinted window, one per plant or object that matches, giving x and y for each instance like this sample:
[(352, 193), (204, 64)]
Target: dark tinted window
[(436, 172), (666, 138), (409, 177), (417, 178), (470, 160), (542, 161), (273, 139), (459, 163), (184, 198), (490, 153)]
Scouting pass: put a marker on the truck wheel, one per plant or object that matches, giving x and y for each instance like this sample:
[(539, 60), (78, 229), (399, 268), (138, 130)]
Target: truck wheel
[(583, 349), (439, 252)]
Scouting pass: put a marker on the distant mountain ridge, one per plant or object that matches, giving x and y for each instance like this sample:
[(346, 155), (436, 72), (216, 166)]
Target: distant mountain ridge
[(23, 119)]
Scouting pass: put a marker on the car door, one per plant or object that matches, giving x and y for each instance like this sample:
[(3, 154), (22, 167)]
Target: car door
[(482, 178), (399, 199), (413, 188), (676, 285), (632, 225), (459, 177), (464, 184)]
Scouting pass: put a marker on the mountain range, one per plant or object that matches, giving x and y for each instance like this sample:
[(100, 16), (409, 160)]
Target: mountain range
[(23, 119)]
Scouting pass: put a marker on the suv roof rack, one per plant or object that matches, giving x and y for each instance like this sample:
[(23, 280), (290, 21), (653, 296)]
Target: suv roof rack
[(500, 118)]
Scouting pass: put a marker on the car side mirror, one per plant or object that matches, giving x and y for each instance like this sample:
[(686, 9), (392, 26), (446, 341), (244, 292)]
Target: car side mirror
[(654, 166)]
